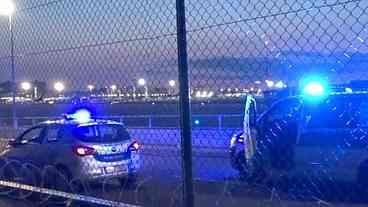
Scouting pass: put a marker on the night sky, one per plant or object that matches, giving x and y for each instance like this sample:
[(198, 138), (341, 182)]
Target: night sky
[(231, 42)]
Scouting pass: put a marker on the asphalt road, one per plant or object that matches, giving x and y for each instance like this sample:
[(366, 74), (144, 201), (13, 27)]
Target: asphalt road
[(216, 183), (159, 177), (208, 164)]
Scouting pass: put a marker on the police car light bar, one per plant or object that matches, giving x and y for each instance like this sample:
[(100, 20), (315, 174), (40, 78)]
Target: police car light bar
[(314, 88), (80, 116)]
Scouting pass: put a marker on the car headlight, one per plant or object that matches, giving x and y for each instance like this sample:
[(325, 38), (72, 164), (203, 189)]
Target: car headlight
[(233, 141), (236, 139)]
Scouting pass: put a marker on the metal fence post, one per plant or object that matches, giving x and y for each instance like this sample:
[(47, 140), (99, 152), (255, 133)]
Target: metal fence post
[(150, 121), (185, 123), (220, 122), (13, 78)]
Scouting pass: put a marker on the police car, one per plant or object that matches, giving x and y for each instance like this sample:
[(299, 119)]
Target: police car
[(321, 132), (79, 147)]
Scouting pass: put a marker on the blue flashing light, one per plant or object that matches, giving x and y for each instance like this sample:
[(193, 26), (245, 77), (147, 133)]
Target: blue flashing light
[(197, 122), (314, 88), (81, 116)]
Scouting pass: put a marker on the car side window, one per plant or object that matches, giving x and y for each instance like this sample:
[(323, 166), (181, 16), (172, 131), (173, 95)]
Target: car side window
[(282, 110), (52, 134), (65, 134), (34, 135)]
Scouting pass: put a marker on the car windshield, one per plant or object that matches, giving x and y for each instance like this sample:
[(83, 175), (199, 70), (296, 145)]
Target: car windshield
[(101, 133)]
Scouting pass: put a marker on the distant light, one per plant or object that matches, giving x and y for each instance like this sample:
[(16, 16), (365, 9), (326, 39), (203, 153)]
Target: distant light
[(197, 122), (81, 116), (113, 87), (7, 7), (59, 87), (280, 84), (257, 82), (210, 94), (198, 94), (269, 83), (172, 83), (91, 87), (141, 82), (26, 86), (204, 94), (348, 90)]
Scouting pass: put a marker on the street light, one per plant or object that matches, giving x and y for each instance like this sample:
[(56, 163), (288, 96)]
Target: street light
[(26, 86), (270, 83), (113, 87), (142, 82), (90, 88), (280, 84), (59, 87), (172, 83), (7, 8)]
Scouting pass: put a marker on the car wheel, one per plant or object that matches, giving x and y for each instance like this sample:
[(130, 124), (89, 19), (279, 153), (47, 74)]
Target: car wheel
[(56, 178), (254, 175), (63, 181), (240, 164), (14, 172)]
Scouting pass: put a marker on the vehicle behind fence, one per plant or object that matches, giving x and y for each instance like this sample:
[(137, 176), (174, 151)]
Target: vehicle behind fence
[(166, 84)]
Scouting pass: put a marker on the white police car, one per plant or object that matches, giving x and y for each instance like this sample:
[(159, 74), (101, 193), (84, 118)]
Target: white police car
[(79, 147)]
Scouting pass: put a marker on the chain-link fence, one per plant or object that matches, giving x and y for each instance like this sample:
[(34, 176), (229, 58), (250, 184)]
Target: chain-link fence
[(122, 59)]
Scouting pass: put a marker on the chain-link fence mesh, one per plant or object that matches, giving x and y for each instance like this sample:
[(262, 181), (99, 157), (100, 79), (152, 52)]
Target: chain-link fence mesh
[(94, 53), (119, 58), (242, 47)]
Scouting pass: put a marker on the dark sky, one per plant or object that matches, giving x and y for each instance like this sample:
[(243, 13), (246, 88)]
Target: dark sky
[(231, 42)]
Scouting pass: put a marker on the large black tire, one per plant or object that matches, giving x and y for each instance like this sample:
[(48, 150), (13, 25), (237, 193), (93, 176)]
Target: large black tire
[(56, 178), (249, 172)]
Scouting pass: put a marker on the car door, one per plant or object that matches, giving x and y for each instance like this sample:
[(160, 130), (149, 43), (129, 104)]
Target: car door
[(353, 150), (59, 143), (278, 132), (321, 142), (30, 149)]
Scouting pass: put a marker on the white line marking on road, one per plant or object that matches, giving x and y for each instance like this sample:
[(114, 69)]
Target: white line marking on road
[(77, 197)]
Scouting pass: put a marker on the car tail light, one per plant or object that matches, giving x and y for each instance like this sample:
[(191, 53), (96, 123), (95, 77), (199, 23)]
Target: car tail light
[(84, 151), (135, 146)]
